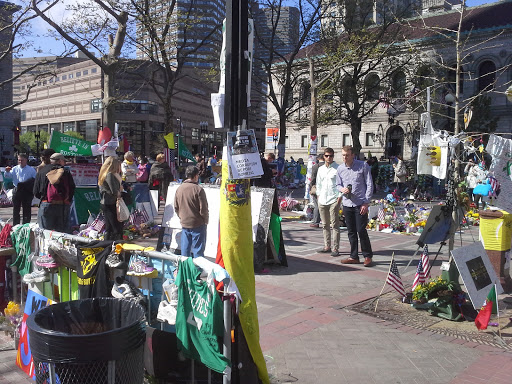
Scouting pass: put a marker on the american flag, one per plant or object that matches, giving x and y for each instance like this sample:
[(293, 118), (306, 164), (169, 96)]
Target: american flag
[(394, 278), (495, 186), (381, 215), (99, 223), (139, 216), (423, 269)]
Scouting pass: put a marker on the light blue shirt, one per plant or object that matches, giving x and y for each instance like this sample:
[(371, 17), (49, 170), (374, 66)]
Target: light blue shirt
[(360, 177), (20, 175)]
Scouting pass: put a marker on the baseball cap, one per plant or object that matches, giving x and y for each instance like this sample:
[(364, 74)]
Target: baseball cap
[(57, 156)]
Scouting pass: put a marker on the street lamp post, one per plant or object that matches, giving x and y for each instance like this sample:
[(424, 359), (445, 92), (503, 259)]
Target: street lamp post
[(37, 135)]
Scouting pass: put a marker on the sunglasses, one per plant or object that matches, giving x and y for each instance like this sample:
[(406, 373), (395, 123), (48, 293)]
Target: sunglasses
[(328, 155)]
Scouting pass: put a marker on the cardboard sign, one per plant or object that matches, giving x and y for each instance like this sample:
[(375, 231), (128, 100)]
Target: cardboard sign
[(243, 155), (85, 174), (261, 207), (24, 359), (477, 272)]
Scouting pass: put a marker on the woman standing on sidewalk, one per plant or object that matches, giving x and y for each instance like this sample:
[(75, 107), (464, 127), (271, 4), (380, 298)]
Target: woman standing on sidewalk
[(109, 181)]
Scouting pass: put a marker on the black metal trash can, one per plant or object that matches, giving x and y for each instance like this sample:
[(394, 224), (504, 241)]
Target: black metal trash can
[(91, 341)]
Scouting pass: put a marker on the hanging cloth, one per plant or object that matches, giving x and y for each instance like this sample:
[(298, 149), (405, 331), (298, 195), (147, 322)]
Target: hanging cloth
[(199, 321), (21, 241), (92, 271)]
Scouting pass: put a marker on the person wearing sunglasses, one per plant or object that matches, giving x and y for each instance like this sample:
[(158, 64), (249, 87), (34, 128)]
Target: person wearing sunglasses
[(329, 199)]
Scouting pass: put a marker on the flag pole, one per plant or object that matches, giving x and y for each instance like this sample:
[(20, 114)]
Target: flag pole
[(497, 308), (385, 282)]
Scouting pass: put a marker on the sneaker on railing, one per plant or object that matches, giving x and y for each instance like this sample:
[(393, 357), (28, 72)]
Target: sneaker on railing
[(114, 261), (139, 268), (39, 276), (47, 261), (124, 289)]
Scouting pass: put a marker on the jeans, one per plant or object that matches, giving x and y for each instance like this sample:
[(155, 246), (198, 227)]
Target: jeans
[(316, 211), (54, 217), (21, 200), (356, 226), (193, 241), (330, 218)]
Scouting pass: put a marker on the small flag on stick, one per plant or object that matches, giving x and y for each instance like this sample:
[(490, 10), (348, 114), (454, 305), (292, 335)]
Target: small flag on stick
[(423, 269), (490, 306), (394, 278)]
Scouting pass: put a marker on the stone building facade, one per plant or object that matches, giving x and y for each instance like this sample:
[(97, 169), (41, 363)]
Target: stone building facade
[(489, 66)]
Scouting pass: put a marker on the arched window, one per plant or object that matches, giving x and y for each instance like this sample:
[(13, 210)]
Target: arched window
[(486, 76), (372, 86), (424, 78), (398, 84), (451, 79), (305, 95), (348, 90)]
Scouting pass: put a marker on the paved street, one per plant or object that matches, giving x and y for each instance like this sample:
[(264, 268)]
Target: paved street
[(309, 335)]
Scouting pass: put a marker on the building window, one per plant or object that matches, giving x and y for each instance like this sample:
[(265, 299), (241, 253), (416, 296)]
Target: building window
[(486, 76), (95, 105), (94, 70), (86, 72), (370, 140), (324, 141), (195, 133), (305, 95), (64, 77), (398, 84), (70, 75), (347, 139), (304, 141), (70, 126), (286, 142), (78, 74), (23, 115)]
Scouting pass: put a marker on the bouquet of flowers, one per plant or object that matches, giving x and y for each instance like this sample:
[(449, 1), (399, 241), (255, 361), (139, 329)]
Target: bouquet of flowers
[(13, 314)]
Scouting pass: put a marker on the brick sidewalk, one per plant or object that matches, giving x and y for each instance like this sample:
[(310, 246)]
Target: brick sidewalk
[(308, 336)]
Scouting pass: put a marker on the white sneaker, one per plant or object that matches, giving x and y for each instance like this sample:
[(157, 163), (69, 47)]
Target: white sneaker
[(166, 313), (36, 277), (122, 289)]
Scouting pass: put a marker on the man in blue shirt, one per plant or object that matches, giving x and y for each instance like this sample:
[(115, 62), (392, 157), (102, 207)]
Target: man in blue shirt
[(23, 177), (354, 181)]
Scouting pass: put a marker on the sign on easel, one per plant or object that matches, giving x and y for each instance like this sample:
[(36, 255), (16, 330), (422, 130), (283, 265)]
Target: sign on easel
[(476, 272)]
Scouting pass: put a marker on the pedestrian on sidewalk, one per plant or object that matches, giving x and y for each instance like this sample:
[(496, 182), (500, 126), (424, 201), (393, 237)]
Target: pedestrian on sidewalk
[(58, 191), (313, 191), (40, 183), (110, 184), (23, 177), (329, 202), (354, 181), (191, 206)]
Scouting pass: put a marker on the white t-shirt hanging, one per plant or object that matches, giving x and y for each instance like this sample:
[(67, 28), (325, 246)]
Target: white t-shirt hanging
[(433, 155)]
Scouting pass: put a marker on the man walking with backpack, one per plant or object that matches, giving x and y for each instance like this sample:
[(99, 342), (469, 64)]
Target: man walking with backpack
[(57, 196)]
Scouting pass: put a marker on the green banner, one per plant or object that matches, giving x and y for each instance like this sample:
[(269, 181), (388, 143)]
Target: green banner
[(87, 199), (184, 151), (70, 146)]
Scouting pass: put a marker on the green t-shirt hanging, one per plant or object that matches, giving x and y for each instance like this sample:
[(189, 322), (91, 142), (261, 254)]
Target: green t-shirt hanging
[(199, 321)]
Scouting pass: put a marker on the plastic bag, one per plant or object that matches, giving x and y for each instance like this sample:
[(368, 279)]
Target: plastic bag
[(123, 213)]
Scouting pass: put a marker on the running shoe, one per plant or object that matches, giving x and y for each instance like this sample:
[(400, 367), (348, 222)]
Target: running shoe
[(47, 261), (166, 313), (36, 277), (139, 268), (124, 289), (114, 261)]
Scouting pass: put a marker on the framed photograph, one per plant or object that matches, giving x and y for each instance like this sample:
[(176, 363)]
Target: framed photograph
[(476, 272)]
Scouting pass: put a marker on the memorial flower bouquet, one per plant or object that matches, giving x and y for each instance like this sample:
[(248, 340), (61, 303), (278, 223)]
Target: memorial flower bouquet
[(433, 288), (11, 320)]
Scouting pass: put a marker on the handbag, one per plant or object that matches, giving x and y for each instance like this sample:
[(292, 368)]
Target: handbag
[(402, 171), (122, 211)]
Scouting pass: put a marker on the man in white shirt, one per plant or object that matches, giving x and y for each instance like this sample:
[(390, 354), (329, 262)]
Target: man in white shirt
[(329, 199), (23, 177)]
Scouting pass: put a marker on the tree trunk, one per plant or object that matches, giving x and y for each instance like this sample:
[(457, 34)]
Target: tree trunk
[(355, 125), (109, 112)]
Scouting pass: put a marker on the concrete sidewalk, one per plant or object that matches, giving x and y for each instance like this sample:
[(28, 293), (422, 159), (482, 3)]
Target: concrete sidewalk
[(308, 334)]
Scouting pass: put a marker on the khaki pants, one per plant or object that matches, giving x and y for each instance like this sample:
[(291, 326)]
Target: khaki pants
[(330, 218)]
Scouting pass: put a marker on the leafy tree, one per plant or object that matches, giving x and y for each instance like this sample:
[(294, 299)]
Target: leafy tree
[(278, 66), (28, 142), (93, 26), (172, 35), (364, 61)]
